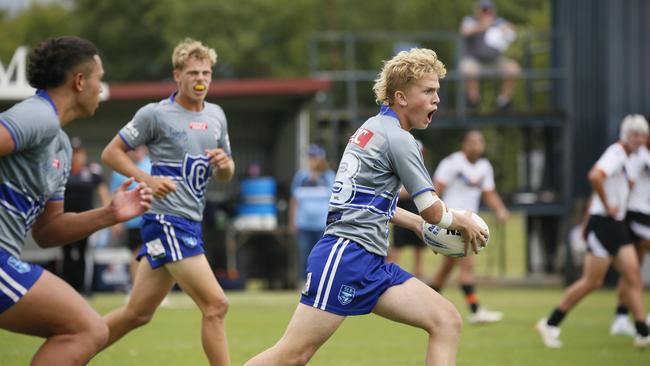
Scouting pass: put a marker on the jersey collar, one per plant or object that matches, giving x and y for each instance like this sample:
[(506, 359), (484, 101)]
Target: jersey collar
[(43, 94), (385, 110)]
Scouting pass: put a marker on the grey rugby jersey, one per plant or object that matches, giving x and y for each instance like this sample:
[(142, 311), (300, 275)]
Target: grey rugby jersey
[(35, 172), (177, 140), (379, 158)]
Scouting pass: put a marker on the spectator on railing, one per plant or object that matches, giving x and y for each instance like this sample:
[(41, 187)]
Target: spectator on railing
[(486, 39)]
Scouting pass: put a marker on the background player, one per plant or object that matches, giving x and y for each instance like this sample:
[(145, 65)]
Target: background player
[(638, 221), (188, 143), (608, 239), (35, 158), (461, 179), (347, 273)]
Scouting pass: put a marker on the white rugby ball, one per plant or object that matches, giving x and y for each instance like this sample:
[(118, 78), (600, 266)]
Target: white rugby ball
[(449, 242)]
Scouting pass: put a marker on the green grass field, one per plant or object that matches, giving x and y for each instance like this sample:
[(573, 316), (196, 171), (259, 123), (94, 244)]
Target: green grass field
[(257, 319)]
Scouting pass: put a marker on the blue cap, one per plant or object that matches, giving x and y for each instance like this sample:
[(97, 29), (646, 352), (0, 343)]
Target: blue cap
[(316, 150), (485, 4)]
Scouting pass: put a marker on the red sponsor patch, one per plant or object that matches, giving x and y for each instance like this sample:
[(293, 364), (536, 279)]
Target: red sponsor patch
[(198, 125), (361, 137), (56, 163)]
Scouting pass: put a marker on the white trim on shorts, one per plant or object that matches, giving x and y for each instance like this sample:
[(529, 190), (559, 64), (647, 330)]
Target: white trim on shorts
[(13, 285), (338, 245), (640, 230), (168, 228), (597, 248)]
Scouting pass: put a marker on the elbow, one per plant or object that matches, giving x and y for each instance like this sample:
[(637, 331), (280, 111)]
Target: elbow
[(594, 176), (41, 239), (106, 156)]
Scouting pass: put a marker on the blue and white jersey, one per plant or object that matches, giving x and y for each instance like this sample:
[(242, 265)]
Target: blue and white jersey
[(35, 172), (177, 140), (379, 158)]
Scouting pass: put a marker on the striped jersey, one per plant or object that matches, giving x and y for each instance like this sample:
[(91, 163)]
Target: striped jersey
[(35, 172), (177, 139), (379, 158)]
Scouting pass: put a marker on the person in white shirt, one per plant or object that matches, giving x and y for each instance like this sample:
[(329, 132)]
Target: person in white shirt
[(638, 222), (608, 239), (462, 179)]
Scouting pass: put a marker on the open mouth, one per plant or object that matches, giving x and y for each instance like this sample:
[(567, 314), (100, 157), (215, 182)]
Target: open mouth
[(430, 115)]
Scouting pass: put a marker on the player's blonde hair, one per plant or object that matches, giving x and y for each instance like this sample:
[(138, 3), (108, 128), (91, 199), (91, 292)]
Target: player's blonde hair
[(632, 123), (403, 69), (192, 48)]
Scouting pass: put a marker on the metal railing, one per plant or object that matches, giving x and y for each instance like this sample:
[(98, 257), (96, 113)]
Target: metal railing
[(346, 67)]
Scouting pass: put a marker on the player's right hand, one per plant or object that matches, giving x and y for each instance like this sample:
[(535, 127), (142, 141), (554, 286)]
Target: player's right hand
[(161, 186), (472, 234)]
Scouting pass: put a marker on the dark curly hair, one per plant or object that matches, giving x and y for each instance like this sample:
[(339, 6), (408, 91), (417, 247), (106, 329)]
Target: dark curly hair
[(50, 62)]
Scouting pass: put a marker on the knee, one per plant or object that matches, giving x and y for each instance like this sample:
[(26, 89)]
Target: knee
[(99, 336), (633, 279), (299, 357), (446, 322), (216, 309), (511, 69), (138, 318), (594, 284), (94, 334)]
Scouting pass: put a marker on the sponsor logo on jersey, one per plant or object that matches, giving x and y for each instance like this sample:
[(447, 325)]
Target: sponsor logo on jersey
[(18, 265), (56, 163), (346, 294), (198, 125), (361, 137)]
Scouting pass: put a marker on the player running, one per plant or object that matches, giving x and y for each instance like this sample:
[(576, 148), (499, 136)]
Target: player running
[(188, 143), (35, 160), (347, 273), (462, 178), (638, 221), (608, 239)]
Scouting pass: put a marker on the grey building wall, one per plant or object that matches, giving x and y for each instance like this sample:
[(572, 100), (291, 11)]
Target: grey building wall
[(609, 49)]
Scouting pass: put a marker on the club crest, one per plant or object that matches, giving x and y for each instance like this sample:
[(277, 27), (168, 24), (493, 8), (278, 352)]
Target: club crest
[(196, 172), (346, 294)]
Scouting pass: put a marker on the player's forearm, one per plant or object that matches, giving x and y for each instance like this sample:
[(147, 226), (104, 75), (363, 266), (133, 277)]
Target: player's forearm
[(493, 200), (407, 220), (69, 227), (225, 174), (119, 161)]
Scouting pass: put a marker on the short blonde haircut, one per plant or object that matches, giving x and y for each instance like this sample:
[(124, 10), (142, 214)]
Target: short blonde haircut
[(633, 123), (191, 48), (403, 69)]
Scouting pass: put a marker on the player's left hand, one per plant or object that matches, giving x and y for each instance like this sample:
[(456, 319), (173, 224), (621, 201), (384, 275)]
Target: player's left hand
[(126, 205), (218, 158)]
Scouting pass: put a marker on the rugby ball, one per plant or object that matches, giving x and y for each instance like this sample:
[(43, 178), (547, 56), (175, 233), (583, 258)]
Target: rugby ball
[(447, 241)]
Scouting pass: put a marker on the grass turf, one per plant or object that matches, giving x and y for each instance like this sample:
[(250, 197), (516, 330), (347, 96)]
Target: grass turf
[(257, 319)]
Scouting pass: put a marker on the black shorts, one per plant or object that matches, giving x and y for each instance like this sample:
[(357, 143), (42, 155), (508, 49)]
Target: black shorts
[(133, 239), (639, 225), (405, 237), (605, 236)]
